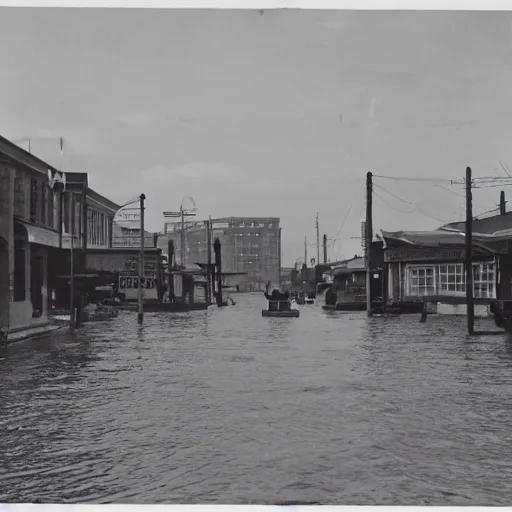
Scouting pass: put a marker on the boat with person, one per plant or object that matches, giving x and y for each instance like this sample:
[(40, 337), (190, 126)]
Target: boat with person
[(291, 313), (279, 304)]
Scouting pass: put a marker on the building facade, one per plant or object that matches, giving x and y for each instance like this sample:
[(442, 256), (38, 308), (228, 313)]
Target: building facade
[(429, 266), (29, 230), (250, 245)]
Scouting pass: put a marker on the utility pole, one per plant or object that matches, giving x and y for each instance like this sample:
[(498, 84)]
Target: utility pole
[(209, 284), (306, 251), (503, 208), (140, 316), (325, 248), (317, 240), (369, 238), (182, 214), (72, 311), (469, 265), (218, 264), (182, 237)]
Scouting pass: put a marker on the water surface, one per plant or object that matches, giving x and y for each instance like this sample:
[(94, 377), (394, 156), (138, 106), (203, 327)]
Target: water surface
[(225, 406)]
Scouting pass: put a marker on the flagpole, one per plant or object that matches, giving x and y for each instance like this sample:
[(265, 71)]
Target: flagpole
[(140, 316)]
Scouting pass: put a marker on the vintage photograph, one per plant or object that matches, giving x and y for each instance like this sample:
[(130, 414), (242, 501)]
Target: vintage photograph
[(255, 256)]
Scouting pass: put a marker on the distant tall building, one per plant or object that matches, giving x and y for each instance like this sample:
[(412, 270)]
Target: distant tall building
[(249, 244)]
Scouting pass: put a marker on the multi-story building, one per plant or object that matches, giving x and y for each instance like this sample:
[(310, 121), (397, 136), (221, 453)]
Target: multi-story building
[(29, 231), (42, 214), (250, 245)]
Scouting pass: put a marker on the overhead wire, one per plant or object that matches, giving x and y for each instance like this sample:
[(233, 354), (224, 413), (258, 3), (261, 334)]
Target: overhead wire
[(405, 178), (348, 213), (415, 207)]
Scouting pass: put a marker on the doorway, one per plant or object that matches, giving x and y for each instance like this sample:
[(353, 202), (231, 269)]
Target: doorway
[(36, 284)]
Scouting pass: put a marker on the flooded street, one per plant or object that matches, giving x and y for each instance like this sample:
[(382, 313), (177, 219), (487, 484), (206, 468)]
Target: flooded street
[(225, 406)]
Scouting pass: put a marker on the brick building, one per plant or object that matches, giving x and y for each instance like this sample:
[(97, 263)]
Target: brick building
[(249, 244)]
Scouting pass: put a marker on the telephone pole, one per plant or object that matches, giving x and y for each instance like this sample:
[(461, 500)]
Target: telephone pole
[(181, 214), (325, 248), (317, 240), (469, 265), (140, 315), (369, 238)]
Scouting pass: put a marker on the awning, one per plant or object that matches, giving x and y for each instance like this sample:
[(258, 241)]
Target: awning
[(40, 235)]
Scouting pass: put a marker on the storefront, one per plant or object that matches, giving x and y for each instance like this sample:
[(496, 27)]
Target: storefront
[(429, 266)]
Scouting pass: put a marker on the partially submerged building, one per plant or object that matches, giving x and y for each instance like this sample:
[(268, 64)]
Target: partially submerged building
[(429, 266)]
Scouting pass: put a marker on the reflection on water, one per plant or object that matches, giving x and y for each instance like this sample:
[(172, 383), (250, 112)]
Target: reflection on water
[(225, 406)]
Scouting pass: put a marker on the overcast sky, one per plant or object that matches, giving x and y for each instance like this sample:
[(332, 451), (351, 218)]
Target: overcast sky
[(274, 115)]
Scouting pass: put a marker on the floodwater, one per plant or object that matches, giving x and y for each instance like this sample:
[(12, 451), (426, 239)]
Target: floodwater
[(225, 406)]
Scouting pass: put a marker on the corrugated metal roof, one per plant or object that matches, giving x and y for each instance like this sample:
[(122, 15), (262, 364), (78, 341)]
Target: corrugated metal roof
[(488, 225), (426, 238), (439, 238)]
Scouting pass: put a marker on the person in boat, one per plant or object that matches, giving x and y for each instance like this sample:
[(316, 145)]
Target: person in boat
[(277, 301), (285, 304)]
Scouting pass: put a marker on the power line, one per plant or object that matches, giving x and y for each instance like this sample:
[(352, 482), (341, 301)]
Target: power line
[(404, 178), (451, 191), (415, 207), (348, 212)]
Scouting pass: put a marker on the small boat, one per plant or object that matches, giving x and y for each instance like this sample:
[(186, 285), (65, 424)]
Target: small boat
[(291, 313)]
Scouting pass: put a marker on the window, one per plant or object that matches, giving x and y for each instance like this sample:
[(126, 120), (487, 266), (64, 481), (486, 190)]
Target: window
[(51, 207), (19, 195), (484, 280), (451, 279), (89, 226), (421, 281), (33, 200), (44, 203), (19, 274), (65, 213)]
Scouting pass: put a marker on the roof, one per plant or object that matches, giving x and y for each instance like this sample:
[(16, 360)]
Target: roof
[(495, 225), (14, 152), (425, 238), (94, 197), (356, 265), (437, 238)]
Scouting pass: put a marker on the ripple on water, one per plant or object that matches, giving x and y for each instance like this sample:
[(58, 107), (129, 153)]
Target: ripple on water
[(225, 406)]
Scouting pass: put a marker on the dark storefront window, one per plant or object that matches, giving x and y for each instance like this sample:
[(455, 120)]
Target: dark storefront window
[(51, 199), (19, 274), (33, 200), (44, 203)]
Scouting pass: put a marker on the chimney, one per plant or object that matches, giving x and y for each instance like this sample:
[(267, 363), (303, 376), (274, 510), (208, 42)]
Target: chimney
[(503, 209)]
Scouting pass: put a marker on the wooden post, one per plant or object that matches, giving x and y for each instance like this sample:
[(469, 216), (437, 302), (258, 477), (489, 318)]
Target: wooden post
[(182, 237), (71, 269), (317, 240), (424, 312), (140, 316), (369, 238), (469, 266), (305, 267), (209, 284), (218, 264), (280, 258), (503, 208), (325, 248), (170, 265)]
